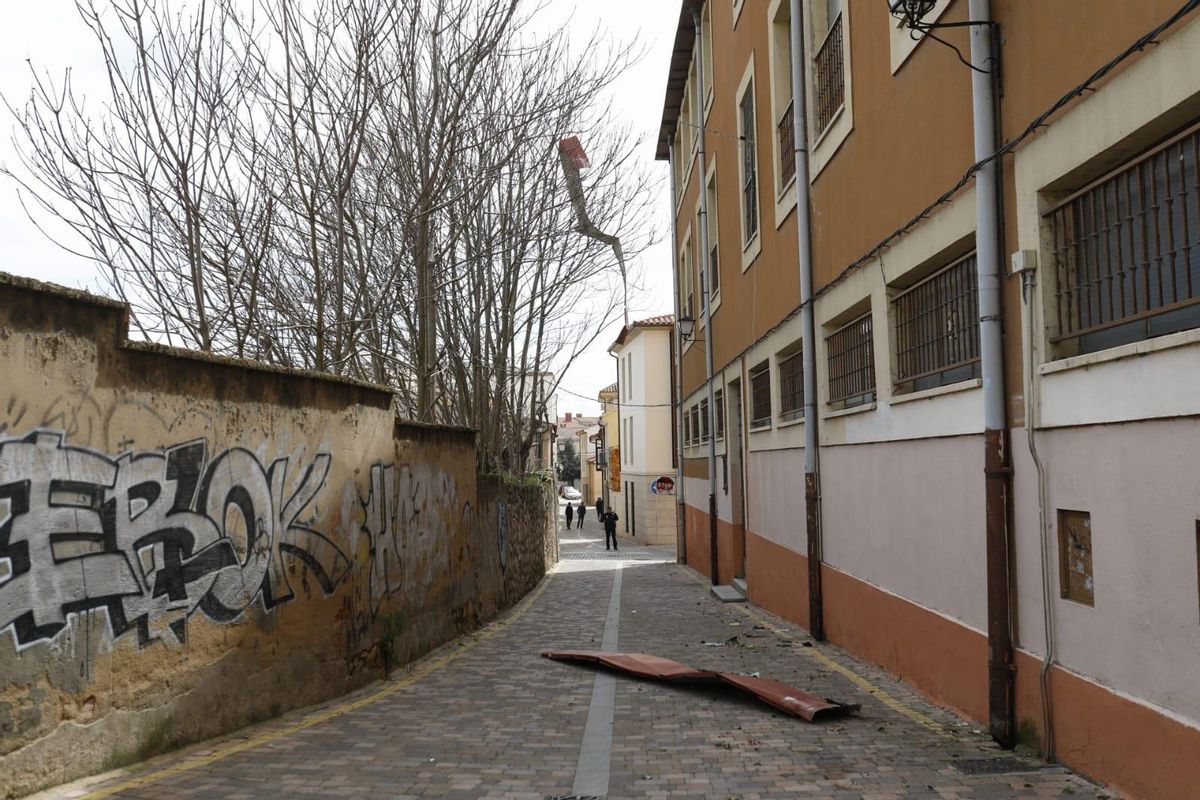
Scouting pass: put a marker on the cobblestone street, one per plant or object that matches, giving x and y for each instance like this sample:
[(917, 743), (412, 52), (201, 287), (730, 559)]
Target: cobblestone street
[(489, 717)]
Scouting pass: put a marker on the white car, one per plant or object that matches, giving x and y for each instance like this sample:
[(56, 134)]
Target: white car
[(572, 494)]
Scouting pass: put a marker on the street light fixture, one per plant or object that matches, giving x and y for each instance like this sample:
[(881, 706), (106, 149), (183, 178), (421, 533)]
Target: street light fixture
[(686, 326), (910, 12)]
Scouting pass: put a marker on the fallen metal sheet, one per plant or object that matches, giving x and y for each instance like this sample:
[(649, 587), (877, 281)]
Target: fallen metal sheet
[(786, 698), (642, 665)]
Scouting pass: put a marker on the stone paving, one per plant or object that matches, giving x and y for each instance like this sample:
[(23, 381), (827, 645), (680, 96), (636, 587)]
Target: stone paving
[(493, 719)]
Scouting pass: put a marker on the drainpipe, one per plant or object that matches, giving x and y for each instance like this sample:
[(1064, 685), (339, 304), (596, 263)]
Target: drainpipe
[(706, 299), (997, 469), (812, 483), (680, 508)]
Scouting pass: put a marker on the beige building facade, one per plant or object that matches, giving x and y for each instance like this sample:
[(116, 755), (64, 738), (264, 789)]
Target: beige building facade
[(1099, 205), (647, 441)]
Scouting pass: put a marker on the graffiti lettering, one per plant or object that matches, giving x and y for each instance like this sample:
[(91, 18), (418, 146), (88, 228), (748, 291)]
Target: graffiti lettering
[(151, 537)]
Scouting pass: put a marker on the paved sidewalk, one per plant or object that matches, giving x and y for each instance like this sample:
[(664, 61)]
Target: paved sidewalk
[(488, 717)]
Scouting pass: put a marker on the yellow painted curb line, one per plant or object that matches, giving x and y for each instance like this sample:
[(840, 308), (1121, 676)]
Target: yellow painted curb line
[(422, 671), (815, 654)]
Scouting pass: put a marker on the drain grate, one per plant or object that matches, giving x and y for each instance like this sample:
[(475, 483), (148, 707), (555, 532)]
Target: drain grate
[(589, 555), (994, 766)]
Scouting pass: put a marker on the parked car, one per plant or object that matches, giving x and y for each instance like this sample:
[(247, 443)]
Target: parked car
[(571, 493)]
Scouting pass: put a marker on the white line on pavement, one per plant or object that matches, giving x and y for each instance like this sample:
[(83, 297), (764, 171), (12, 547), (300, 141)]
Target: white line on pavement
[(595, 753)]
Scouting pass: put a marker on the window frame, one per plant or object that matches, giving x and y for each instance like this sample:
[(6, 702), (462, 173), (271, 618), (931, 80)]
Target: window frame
[(719, 414), (926, 320), (794, 352), (1150, 322), (760, 423), (750, 245), (869, 394)]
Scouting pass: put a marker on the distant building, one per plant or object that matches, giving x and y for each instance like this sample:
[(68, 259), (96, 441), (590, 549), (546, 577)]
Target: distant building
[(647, 452), (609, 449)]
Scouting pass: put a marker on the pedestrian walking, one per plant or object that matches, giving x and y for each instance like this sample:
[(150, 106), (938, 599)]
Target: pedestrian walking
[(570, 515), (581, 513), (610, 530), (600, 508)]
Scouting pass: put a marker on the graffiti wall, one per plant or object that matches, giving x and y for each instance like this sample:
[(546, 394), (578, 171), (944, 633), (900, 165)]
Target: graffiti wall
[(190, 544)]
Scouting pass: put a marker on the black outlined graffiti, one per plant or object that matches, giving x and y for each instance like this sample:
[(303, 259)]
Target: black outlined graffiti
[(151, 537)]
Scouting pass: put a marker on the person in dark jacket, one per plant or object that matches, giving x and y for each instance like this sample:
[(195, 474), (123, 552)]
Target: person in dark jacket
[(600, 508), (570, 515), (580, 513), (610, 530)]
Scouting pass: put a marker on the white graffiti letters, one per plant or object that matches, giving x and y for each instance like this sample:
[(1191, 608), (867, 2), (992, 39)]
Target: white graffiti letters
[(151, 537)]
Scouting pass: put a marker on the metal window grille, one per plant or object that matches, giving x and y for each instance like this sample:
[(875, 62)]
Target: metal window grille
[(695, 424), (704, 424), (1126, 249), (791, 386), (719, 399), (852, 363), (830, 77), (937, 324), (749, 173), (760, 398), (687, 426), (786, 129)]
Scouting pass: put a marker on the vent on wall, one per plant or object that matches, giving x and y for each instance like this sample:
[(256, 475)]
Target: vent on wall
[(1075, 556)]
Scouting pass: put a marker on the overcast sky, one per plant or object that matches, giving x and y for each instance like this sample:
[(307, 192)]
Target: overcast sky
[(50, 35)]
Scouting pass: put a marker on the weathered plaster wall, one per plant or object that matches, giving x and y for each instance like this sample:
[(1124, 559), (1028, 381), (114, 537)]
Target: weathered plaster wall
[(189, 544)]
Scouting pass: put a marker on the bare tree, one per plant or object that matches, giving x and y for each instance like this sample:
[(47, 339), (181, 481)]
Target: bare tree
[(369, 189)]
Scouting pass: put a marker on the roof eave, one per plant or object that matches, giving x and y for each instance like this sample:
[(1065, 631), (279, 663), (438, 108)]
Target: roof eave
[(677, 75)]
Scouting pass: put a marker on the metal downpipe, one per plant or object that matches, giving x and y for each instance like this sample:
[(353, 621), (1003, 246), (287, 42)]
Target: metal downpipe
[(997, 465), (812, 481), (680, 506), (706, 300)]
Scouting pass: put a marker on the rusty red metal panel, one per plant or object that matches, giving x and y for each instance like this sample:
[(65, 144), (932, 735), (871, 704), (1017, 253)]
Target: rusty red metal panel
[(642, 665), (786, 698), (783, 697), (572, 149)]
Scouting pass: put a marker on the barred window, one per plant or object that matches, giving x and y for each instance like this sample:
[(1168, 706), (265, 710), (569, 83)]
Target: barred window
[(791, 386), (852, 363), (704, 424), (937, 329), (1126, 251), (687, 426), (696, 424), (760, 396), (719, 400)]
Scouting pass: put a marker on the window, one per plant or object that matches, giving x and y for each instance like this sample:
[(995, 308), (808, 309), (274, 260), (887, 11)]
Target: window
[(749, 164), (1126, 251), (696, 424), (760, 396), (706, 54), (714, 269), (791, 385), (781, 94), (719, 401), (705, 425), (829, 71), (686, 290), (687, 426), (851, 364), (937, 329)]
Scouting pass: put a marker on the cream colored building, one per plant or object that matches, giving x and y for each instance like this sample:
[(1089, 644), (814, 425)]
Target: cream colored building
[(647, 441)]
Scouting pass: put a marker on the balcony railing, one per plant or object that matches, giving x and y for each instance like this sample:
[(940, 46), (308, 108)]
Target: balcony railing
[(786, 129), (830, 76)]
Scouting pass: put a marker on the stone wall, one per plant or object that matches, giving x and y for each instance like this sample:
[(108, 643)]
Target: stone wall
[(189, 544)]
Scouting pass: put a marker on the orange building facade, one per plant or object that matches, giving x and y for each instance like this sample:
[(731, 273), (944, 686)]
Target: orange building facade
[(1099, 121)]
